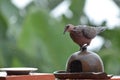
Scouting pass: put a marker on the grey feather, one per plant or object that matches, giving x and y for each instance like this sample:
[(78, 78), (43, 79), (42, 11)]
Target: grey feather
[(89, 32)]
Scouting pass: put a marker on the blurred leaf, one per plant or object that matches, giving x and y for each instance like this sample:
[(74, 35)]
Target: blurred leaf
[(8, 48), (54, 3), (110, 51), (76, 7), (3, 27), (13, 17), (6, 5), (47, 4), (117, 2), (42, 38), (31, 37), (113, 36)]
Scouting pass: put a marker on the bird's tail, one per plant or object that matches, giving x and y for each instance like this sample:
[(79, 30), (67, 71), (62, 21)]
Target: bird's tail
[(100, 29)]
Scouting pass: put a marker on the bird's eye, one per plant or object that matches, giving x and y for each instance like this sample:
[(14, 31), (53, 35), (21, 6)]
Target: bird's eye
[(67, 26), (74, 28)]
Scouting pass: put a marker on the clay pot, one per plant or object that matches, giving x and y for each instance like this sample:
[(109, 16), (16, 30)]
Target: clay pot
[(84, 61)]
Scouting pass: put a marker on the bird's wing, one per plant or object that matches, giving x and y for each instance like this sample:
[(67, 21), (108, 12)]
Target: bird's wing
[(100, 29), (89, 32), (77, 31)]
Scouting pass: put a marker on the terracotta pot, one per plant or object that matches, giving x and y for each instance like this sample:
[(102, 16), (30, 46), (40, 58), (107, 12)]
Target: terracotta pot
[(84, 61)]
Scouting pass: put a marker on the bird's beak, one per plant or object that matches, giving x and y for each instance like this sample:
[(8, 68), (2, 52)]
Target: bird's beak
[(66, 28), (65, 31)]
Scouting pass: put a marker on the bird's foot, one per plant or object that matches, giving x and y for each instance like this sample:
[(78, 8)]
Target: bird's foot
[(84, 47)]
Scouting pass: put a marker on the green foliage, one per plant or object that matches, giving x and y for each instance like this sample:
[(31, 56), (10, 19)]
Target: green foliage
[(3, 27), (77, 9), (42, 38), (110, 50), (32, 38)]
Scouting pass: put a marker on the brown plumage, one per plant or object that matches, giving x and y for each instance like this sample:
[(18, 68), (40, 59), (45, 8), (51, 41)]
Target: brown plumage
[(83, 34)]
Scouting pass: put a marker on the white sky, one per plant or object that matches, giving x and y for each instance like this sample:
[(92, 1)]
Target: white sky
[(62, 8), (97, 11), (21, 3)]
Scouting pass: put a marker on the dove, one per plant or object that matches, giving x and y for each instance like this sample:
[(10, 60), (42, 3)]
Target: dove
[(83, 34)]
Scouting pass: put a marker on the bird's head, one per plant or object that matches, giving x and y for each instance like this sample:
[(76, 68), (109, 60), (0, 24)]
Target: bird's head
[(68, 28)]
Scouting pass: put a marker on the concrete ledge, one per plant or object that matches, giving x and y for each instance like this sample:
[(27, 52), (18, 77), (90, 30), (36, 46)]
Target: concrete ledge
[(40, 76)]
